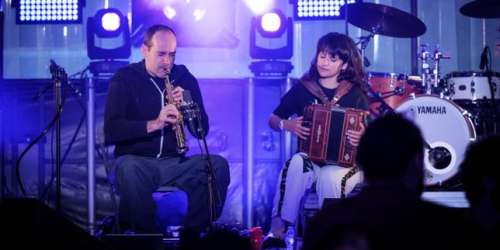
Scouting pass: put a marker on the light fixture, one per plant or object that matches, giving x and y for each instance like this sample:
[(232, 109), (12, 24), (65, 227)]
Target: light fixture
[(271, 28), (258, 7), (108, 28), (197, 23), (319, 9), (271, 25), (48, 11)]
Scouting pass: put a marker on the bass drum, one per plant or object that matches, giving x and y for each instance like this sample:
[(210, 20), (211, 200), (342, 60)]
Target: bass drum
[(446, 128)]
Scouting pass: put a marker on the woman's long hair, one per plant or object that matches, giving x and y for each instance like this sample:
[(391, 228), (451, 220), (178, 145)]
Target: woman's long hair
[(336, 44)]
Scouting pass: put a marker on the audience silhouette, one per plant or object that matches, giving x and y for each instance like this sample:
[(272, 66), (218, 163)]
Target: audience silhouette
[(389, 213), (481, 178)]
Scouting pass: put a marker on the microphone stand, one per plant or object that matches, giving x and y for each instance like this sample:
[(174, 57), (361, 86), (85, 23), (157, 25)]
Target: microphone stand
[(58, 103), (213, 194)]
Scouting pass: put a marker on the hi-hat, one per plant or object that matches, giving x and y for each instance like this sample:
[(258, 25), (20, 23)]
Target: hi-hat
[(383, 20), (482, 9)]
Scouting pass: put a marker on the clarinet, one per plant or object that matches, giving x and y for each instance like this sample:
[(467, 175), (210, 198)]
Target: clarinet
[(178, 128)]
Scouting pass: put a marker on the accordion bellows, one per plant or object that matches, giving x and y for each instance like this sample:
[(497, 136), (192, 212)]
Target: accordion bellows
[(327, 142)]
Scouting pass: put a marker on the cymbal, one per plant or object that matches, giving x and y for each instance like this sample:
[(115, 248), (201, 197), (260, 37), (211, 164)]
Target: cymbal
[(481, 9), (383, 20)]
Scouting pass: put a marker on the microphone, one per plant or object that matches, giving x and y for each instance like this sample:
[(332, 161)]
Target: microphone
[(484, 58), (366, 62), (57, 72), (54, 68), (190, 111)]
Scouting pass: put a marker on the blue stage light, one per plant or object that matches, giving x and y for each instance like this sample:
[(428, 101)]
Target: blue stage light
[(110, 21), (257, 27), (110, 27), (48, 11), (272, 24), (271, 61), (319, 9)]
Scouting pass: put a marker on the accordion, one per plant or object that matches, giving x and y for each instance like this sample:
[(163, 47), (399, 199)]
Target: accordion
[(327, 142)]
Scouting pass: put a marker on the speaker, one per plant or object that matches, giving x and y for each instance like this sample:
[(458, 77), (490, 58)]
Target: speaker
[(29, 222)]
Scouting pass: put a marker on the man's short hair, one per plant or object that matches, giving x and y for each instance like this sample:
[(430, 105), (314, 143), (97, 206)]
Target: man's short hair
[(388, 147), (148, 35)]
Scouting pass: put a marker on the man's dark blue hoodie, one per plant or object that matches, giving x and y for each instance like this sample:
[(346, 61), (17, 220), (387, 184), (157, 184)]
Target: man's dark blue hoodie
[(134, 98)]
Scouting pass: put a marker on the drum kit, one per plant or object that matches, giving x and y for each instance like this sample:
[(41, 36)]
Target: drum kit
[(451, 111)]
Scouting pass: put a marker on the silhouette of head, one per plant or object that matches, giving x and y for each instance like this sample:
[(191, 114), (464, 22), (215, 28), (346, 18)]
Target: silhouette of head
[(391, 149), (224, 238), (480, 172)]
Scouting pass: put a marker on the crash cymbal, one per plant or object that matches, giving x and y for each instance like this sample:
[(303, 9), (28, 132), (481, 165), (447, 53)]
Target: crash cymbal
[(482, 9), (383, 20)]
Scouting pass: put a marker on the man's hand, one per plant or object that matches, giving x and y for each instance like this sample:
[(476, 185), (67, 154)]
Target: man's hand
[(168, 115), (177, 94), (295, 126)]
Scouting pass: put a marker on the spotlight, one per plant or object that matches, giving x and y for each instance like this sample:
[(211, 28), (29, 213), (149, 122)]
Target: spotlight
[(198, 23), (271, 25), (198, 14), (319, 9), (169, 12), (274, 27), (48, 11), (259, 7), (110, 22), (110, 27)]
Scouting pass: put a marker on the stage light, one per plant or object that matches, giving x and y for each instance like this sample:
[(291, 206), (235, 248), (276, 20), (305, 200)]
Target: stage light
[(110, 21), (258, 7), (198, 23), (169, 12), (48, 11), (198, 14), (110, 28), (273, 27), (319, 9), (268, 26), (272, 24)]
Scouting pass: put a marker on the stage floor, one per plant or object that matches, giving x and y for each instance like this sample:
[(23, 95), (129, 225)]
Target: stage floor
[(447, 198)]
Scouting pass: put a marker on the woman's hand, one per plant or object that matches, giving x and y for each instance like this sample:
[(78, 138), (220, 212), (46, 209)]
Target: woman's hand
[(295, 126), (354, 136)]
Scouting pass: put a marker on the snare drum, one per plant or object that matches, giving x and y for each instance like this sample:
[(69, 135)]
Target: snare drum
[(447, 129), (393, 88), (471, 86)]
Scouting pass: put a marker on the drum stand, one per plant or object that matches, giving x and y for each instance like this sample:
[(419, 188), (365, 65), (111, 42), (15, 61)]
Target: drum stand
[(493, 104), (379, 97), (363, 41), (431, 77)]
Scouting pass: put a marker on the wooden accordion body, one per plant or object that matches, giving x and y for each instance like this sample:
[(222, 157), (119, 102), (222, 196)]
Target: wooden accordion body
[(327, 142)]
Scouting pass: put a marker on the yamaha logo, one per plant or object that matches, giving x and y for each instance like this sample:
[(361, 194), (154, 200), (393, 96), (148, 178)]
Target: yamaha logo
[(441, 110)]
